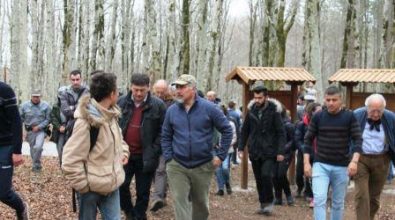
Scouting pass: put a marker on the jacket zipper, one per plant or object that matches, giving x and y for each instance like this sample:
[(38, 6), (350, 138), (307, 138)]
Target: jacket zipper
[(115, 153)]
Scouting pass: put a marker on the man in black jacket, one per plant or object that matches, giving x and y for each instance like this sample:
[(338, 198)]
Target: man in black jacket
[(141, 124), (264, 130), (10, 149)]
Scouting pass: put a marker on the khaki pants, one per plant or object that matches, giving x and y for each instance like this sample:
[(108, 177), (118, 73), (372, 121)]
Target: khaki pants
[(190, 188), (369, 182)]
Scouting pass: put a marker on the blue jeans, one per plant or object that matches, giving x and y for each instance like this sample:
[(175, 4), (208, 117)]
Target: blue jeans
[(337, 177), (109, 206), (223, 173), (7, 193), (391, 172)]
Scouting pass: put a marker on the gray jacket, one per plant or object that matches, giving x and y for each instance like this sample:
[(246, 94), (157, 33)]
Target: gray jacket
[(33, 115), (69, 101)]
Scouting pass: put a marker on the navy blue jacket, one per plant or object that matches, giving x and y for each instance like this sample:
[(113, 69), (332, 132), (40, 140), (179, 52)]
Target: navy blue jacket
[(388, 121), (10, 120), (187, 137)]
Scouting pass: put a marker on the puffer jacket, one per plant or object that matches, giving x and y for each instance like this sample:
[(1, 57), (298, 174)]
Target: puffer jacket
[(98, 170), (265, 135)]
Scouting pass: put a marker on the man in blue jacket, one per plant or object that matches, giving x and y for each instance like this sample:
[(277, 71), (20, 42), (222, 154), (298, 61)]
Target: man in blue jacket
[(378, 146), (188, 150)]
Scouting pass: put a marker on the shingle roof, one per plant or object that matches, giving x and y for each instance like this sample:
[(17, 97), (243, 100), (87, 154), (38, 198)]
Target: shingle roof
[(364, 75), (248, 74)]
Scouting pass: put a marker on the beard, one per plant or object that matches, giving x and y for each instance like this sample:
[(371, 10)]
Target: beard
[(179, 100)]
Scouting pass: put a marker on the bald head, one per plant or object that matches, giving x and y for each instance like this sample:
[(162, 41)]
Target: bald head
[(211, 95), (160, 89)]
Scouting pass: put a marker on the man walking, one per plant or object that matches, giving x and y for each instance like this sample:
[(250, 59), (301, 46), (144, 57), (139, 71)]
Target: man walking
[(10, 150), (378, 145), (69, 99), (160, 90), (264, 130), (93, 166), (188, 150), (332, 128), (141, 124), (36, 116)]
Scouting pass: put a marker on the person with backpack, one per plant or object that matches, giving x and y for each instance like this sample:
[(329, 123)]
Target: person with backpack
[(69, 99), (141, 123), (334, 159), (10, 150), (280, 179), (58, 121), (94, 167), (35, 115), (300, 131)]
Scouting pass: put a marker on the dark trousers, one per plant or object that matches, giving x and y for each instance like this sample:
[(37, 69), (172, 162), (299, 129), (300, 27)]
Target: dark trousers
[(299, 171), (7, 193), (143, 185), (280, 179), (263, 169), (301, 181)]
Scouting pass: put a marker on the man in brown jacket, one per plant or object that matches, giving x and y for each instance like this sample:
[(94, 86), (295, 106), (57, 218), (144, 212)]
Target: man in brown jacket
[(97, 172)]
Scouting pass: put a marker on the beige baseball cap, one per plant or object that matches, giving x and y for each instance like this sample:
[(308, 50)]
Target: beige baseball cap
[(36, 92), (184, 79)]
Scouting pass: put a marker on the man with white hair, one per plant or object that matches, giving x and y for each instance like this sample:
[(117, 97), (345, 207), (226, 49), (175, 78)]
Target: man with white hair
[(378, 146)]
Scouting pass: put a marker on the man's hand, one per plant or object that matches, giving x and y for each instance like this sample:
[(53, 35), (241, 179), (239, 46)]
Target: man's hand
[(17, 159), (35, 129), (241, 153), (217, 162), (307, 170), (62, 129), (280, 158), (124, 160), (352, 168)]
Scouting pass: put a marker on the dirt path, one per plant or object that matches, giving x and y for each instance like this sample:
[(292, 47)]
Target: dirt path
[(50, 198)]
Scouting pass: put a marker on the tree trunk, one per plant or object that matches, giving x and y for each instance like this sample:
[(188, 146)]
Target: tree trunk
[(111, 45), (386, 41), (253, 18), (67, 37), (313, 55), (185, 47), (97, 41)]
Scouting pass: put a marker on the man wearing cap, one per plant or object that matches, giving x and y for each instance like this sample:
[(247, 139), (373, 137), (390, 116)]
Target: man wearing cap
[(188, 150), (35, 115), (264, 130)]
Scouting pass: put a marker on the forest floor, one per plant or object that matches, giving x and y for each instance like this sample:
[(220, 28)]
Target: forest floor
[(49, 197)]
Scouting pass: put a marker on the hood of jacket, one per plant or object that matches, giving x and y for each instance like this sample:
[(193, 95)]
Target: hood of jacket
[(270, 102), (96, 115)]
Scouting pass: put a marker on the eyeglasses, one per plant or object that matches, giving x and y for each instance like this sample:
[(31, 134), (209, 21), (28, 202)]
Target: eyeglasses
[(378, 111)]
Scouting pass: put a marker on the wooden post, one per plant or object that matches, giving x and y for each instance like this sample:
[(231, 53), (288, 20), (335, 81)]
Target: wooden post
[(244, 161), (294, 116), (349, 88)]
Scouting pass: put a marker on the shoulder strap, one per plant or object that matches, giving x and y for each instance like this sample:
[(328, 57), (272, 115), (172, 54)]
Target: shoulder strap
[(94, 133)]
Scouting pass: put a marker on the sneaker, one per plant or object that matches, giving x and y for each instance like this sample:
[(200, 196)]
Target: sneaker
[(268, 210), (278, 202), (228, 188), (290, 200), (156, 205), (25, 214), (220, 192), (129, 216), (311, 203)]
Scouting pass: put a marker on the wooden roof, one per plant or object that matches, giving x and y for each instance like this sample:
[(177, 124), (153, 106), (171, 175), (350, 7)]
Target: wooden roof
[(251, 74), (364, 75)]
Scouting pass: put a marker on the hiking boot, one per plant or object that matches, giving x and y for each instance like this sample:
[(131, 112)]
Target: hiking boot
[(129, 216), (156, 205), (290, 200), (278, 201), (228, 188), (25, 214), (299, 194), (268, 210), (220, 192)]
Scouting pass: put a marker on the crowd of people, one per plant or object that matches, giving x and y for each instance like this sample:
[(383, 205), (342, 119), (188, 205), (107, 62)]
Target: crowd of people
[(175, 137)]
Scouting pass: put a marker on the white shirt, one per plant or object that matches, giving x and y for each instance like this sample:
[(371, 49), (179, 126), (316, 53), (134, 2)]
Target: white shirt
[(373, 140)]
